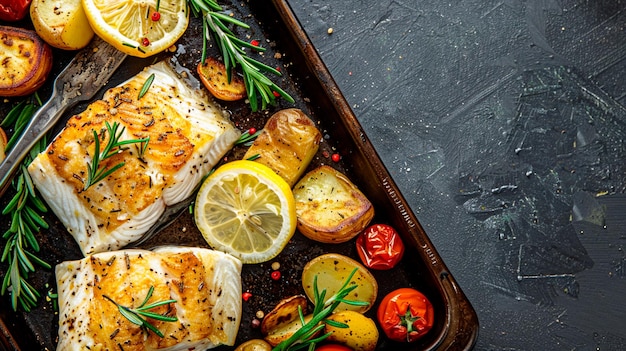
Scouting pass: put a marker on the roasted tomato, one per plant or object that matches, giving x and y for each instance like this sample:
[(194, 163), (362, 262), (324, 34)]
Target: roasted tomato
[(380, 247), (405, 315), (333, 347), (13, 10)]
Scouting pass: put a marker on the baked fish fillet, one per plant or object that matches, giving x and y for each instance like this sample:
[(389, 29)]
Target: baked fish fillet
[(206, 285), (188, 136)]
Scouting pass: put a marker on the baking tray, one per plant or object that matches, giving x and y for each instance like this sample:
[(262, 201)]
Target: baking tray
[(306, 78)]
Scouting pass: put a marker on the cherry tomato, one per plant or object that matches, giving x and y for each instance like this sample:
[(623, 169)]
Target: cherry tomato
[(13, 10), (405, 314), (380, 247), (333, 347)]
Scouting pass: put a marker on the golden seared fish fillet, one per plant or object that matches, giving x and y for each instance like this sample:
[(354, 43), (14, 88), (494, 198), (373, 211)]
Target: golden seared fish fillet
[(206, 285), (187, 135)]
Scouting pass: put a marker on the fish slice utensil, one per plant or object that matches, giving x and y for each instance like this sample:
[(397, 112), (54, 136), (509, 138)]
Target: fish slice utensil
[(80, 80)]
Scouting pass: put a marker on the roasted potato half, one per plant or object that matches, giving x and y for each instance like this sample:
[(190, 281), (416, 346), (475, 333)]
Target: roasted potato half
[(332, 270), (287, 144), (213, 75), (361, 334), (329, 207), (283, 321), (26, 61), (62, 24)]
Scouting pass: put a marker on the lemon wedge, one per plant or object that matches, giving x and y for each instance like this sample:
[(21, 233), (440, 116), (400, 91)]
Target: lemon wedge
[(246, 210), (132, 27)]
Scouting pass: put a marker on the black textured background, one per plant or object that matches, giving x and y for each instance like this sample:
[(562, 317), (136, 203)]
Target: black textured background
[(503, 123)]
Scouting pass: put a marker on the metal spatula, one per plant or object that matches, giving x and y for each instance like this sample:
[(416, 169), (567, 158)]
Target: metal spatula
[(89, 71)]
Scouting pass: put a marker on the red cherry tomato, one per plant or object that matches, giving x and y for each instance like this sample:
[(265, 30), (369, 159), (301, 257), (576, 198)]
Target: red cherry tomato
[(13, 10), (380, 247), (405, 315), (333, 347)]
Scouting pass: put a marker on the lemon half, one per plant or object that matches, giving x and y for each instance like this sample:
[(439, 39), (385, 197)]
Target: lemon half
[(246, 210), (129, 26)]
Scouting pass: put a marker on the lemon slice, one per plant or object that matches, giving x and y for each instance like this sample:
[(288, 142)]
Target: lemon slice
[(129, 25), (246, 210)]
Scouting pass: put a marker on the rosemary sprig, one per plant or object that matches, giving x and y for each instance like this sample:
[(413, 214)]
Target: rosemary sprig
[(136, 315), (24, 211), (97, 172), (215, 24), (305, 336), (246, 138)]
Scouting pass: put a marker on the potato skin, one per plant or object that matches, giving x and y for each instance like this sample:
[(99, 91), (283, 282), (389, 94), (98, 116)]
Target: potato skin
[(287, 144), (213, 75), (361, 335), (26, 61), (62, 24), (254, 345), (330, 208)]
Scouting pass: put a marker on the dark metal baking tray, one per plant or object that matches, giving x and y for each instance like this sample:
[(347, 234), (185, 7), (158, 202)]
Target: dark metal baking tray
[(307, 79)]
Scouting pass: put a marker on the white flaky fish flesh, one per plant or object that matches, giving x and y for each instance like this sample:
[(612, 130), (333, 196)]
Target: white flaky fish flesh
[(188, 135), (205, 284)]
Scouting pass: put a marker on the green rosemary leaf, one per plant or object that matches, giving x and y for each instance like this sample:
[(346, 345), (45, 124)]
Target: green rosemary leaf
[(6, 281), (229, 19), (12, 204), (29, 226), (14, 222), (156, 316), (155, 304), (38, 260), (10, 118), (246, 44), (23, 260), (146, 86), (283, 94), (21, 123), (38, 220), (148, 296), (335, 324), (354, 303), (29, 292), (131, 316), (153, 329), (15, 277)]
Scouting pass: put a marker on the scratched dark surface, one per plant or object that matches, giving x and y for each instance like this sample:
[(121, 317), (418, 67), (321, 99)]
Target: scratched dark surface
[(503, 123)]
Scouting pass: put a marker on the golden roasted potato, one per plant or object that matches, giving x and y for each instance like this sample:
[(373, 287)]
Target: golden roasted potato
[(329, 207), (280, 323), (213, 75), (287, 144), (332, 270), (62, 24), (361, 334), (254, 345), (26, 61)]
